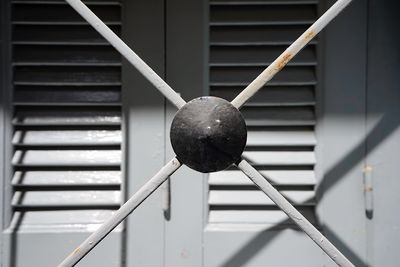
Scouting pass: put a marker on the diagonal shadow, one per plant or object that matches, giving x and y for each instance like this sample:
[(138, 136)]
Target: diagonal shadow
[(378, 134), (255, 245)]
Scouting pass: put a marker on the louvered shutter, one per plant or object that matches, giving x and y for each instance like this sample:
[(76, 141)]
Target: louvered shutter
[(245, 37), (67, 121)]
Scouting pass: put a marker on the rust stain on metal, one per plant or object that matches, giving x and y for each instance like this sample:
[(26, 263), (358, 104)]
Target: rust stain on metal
[(367, 168), (284, 60), (368, 189), (309, 36)]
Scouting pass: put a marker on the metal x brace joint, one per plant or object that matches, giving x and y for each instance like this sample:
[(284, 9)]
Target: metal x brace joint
[(175, 164)]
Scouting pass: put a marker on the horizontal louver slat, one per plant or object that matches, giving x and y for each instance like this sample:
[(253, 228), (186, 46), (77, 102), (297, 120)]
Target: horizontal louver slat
[(64, 55), (265, 35), (58, 218), (59, 34), (65, 178), (274, 217), (245, 37), (67, 119), (281, 177), (75, 138), (271, 96), (67, 158), (257, 198), (66, 198), (66, 116)]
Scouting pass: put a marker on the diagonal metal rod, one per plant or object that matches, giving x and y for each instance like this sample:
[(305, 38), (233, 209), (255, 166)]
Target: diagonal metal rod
[(126, 209), (128, 53), (296, 216), (289, 53)]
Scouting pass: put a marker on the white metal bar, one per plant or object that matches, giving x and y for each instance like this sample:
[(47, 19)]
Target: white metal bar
[(121, 214), (296, 216), (289, 53), (128, 53)]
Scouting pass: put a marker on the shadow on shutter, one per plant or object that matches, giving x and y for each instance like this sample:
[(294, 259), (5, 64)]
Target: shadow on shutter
[(245, 37), (67, 117)]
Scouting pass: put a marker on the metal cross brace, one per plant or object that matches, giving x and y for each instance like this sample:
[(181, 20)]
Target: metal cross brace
[(175, 164)]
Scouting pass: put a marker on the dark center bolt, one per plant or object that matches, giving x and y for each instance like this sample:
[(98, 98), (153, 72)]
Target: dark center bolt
[(208, 134)]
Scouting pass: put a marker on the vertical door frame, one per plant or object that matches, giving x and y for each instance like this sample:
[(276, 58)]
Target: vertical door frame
[(143, 130), (187, 73), (5, 123), (341, 132)]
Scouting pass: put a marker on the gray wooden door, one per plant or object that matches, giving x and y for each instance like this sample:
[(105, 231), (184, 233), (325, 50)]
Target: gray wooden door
[(297, 134), (307, 130)]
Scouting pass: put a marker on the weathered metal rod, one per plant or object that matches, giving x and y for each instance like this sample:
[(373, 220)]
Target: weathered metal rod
[(144, 192), (128, 53), (289, 53), (293, 214)]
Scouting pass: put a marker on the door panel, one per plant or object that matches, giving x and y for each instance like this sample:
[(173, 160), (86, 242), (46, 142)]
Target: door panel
[(383, 133), (291, 133), (144, 124)]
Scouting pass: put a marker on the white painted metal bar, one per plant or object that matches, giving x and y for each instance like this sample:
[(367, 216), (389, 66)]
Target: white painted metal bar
[(289, 53), (128, 53), (121, 214), (296, 216)]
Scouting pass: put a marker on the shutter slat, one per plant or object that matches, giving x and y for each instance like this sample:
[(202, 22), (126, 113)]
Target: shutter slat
[(263, 34), (65, 54), (265, 2), (281, 138), (61, 13), (270, 95), (280, 158), (67, 158), (247, 74), (279, 116), (66, 117), (274, 217), (59, 33), (48, 218), (256, 197), (42, 199), (58, 95), (281, 177), (66, 178), (67, 137), (66, 74), (62, 2), (263, 13)]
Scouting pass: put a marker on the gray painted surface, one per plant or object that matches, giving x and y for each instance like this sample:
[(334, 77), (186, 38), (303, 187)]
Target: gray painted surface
[(341, 133), (49, 248), (383, 140), (345, 137), (254, 247), (144, 130), (185, 70)]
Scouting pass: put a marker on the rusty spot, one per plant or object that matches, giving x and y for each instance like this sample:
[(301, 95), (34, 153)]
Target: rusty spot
[(368, 189), (367, 169), (309, 36), (284, 60)]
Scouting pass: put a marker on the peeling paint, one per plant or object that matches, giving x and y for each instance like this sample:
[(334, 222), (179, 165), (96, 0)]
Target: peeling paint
[(284, 59)]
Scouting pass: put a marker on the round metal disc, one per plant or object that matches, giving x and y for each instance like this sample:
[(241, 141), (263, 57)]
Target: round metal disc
[(208, 134)]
